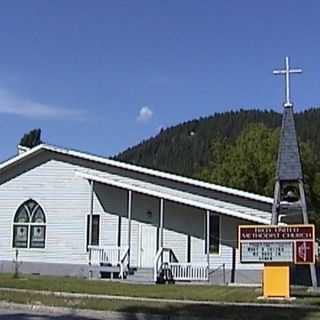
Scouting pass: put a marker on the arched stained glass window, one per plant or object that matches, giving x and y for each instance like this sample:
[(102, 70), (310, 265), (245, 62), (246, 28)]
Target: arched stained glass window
[(29, 228), (38, 216), (22, 215)]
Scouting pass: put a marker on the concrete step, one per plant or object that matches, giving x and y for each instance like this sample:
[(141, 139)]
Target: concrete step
[(144, 271), (141, 275)]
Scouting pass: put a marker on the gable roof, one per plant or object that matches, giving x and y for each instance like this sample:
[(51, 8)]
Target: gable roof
[(169, 176)]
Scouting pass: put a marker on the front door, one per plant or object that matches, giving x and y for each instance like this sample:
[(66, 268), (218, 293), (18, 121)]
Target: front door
[(148, 245)]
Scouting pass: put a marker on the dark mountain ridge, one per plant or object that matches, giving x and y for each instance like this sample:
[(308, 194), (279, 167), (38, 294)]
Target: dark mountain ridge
[(184, 149)]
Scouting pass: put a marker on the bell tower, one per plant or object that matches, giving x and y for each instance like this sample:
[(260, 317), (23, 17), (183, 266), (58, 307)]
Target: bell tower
[(289, 204)]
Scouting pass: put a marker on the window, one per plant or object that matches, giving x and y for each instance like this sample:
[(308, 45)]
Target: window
[(29, 226), (214, 234), (95, 230)]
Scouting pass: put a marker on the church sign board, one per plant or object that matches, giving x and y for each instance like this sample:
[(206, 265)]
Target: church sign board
[(267, 252), (277, 243)]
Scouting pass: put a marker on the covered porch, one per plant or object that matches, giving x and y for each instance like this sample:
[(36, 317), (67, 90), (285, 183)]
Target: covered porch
[(157, 248)]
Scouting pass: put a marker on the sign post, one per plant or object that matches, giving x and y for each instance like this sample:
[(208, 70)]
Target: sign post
[(277, 246)]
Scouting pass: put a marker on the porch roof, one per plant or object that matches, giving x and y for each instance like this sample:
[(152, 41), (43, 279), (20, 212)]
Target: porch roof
[(183, 197)]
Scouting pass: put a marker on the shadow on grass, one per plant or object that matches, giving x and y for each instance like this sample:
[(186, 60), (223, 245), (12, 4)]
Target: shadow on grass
[(221, 313), (174, 312)]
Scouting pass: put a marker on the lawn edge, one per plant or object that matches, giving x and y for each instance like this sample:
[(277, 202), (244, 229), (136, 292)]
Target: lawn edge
[(160, 300)]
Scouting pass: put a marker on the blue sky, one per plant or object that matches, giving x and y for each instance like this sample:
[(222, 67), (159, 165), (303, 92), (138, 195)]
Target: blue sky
[(101, 76)]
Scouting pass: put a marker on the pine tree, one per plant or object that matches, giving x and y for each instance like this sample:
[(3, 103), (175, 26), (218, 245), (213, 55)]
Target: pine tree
[(31, 139)]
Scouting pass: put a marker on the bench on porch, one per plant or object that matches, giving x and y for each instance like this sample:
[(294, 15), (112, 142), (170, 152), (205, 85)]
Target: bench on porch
[(108, 259)]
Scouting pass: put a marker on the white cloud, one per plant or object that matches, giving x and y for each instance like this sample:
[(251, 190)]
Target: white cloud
[(145, 114), (10, 104)]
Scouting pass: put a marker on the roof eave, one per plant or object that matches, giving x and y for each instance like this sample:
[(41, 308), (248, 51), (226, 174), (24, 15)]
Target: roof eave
[(135, 168)]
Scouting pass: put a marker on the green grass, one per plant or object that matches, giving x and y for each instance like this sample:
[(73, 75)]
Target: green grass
[(183, 292), (133, 307)]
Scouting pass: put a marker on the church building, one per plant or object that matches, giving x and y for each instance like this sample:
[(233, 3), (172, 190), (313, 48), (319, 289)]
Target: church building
[(65, 212)]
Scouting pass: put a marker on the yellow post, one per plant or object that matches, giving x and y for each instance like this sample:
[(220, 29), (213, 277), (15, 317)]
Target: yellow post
[(276, 281)]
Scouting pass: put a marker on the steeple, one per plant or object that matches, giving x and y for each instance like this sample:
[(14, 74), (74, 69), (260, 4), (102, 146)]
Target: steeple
[(289, 203), (289, 162)]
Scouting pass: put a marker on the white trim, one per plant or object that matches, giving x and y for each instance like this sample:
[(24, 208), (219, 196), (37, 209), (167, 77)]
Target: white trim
[(22, 149), (207, 236), (176, 198), (161, 222), (129, 224), (139, 246), (91, 209), (85, 232), (135, 168)]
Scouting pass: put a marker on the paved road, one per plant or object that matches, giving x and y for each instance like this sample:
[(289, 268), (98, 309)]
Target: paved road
[(6, 314), (27, 313), (20, 312)]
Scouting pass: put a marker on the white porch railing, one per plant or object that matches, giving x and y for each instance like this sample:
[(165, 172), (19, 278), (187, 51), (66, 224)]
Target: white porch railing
[(109, 255), (189, 271), (180, 271)]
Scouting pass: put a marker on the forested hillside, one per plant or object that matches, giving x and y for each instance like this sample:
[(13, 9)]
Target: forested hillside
[(184, 149), (235, 149)]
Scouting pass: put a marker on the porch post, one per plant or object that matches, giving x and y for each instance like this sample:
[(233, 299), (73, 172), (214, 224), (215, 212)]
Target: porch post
[(129, 223), (161, 222), (208, 240), (90, 217)]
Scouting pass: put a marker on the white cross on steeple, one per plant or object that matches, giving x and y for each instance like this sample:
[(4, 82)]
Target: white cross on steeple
[(287, 72)]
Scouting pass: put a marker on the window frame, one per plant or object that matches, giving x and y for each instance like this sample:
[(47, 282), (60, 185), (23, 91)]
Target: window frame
[(29, 226), (88, 233), (218, 253), (17, 225), (35, 225)]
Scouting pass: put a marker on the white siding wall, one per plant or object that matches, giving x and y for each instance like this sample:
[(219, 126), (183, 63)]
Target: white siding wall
[(174, 235), (228, 241), (64, 198), (105, 198)]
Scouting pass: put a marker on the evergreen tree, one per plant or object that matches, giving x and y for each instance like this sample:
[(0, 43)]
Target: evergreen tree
[(248, 164), (31, 139)]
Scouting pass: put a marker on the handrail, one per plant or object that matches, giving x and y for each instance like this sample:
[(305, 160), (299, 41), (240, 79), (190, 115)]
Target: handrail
[(221, 266), (157, 257), (172, 255), (123, 258)]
